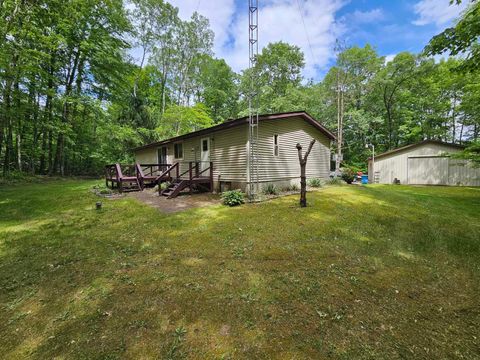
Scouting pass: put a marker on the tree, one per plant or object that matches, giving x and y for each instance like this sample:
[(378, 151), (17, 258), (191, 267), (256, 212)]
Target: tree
[(217, 89), (303, 167), (179, 120), (460, 39), (277, 68), (470, 153)]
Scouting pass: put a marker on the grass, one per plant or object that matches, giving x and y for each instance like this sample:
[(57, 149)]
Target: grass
[(363, 272)]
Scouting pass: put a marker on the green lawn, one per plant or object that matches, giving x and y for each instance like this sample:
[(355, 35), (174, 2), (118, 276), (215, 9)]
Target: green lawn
[(363, 272)]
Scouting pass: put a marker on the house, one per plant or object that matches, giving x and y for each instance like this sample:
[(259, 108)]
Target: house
[(226, 146), (426, 162)]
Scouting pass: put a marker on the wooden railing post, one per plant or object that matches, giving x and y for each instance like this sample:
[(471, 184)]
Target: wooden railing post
[(191, 176), (211, 176)]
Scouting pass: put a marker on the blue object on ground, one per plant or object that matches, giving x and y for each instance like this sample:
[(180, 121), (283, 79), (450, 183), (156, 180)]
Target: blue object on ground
[(364, 179)]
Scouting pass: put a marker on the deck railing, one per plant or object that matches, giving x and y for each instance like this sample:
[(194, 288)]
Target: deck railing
[(154, 169)]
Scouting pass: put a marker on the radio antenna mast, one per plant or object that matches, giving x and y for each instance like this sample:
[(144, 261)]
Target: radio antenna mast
[(253, 99)]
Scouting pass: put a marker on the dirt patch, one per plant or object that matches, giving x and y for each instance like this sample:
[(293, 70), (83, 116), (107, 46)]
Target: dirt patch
[(182, 202)]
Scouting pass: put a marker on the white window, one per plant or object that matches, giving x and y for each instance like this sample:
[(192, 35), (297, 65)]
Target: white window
[(178, 150), (275, 145)]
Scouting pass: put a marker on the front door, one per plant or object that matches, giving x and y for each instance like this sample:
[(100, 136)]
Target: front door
[(162, 157), (204, 153)]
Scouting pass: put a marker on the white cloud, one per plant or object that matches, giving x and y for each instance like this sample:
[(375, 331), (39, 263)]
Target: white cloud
[(389, 57), (279, 20), (438, 12), (365, 17)]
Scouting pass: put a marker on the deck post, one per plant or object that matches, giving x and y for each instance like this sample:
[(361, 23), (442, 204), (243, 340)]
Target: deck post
[(190, 175), (211, 176)]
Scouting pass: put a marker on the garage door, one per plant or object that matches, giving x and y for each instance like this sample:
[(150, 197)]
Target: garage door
[(428, 170)]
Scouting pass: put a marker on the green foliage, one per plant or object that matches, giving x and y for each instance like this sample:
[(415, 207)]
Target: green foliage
[(461, 39), (314, 183), (179, 120), (73, 100), (164, 185), (270, 189), (291, 187), (470, 153), (233, 198), (335, 181), (348, 175)]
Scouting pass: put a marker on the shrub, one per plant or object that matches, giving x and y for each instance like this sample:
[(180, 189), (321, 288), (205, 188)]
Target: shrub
[(164, 185), (233, 198), (291, 187), (348, 175), (270, 189), (335, 181), (314, 183)]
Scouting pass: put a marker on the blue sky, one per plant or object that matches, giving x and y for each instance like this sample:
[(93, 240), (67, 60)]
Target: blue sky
[(391, 26)]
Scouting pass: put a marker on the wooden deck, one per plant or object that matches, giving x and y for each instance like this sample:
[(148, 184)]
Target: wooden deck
[(137, 177)]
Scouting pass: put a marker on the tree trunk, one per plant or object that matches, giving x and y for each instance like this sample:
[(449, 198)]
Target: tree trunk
[(303, 170), (33, 154), (59, 161), (8, 125), (50, 152)]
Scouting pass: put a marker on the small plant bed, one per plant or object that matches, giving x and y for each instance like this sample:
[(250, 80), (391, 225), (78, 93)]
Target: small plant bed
[(105, 192)]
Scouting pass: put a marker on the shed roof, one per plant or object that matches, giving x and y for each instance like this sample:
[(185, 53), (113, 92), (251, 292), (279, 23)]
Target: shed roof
[(421, 143), (244, 120)]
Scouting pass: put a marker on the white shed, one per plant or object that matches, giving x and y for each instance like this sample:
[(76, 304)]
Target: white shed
[(423, 163)]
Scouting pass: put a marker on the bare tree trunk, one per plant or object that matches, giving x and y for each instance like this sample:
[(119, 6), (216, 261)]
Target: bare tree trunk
[(19, 152), (303, 170), (8, 126), (50, 152), (33, 155), (453, 117)]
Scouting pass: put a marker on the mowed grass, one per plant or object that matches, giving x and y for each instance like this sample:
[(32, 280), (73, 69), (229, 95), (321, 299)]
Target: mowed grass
[(363, 272)]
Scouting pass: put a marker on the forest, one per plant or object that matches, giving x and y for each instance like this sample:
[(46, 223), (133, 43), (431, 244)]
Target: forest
[(73, 99)]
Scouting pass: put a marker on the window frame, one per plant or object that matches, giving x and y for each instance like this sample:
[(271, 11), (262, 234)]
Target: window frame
[(276, 145), (175, 152)]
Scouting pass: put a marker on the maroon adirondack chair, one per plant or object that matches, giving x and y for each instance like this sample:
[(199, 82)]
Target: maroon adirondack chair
[(145, 180), (122, 179)]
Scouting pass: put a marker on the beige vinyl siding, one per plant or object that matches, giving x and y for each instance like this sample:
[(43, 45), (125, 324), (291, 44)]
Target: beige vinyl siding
[(425, 164), (285, 166), (146, 156), (227, 152)]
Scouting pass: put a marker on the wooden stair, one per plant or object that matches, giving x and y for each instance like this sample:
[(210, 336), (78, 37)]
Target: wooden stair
[(174, 188), (193, 179)]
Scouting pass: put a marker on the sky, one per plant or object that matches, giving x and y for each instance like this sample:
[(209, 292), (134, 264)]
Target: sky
[(391, 26)]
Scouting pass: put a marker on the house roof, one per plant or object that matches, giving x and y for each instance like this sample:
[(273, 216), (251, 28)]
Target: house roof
[(244, 120), (424, 142)]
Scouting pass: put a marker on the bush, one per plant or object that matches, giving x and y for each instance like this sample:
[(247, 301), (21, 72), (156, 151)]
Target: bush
[(348, 175), (291, 187), (270, 189), (335, 181), (233, 198), (164, 185), (314, 183)]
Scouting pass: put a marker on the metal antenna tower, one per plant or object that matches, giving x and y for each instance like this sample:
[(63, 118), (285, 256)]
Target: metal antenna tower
[(253, 99)]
